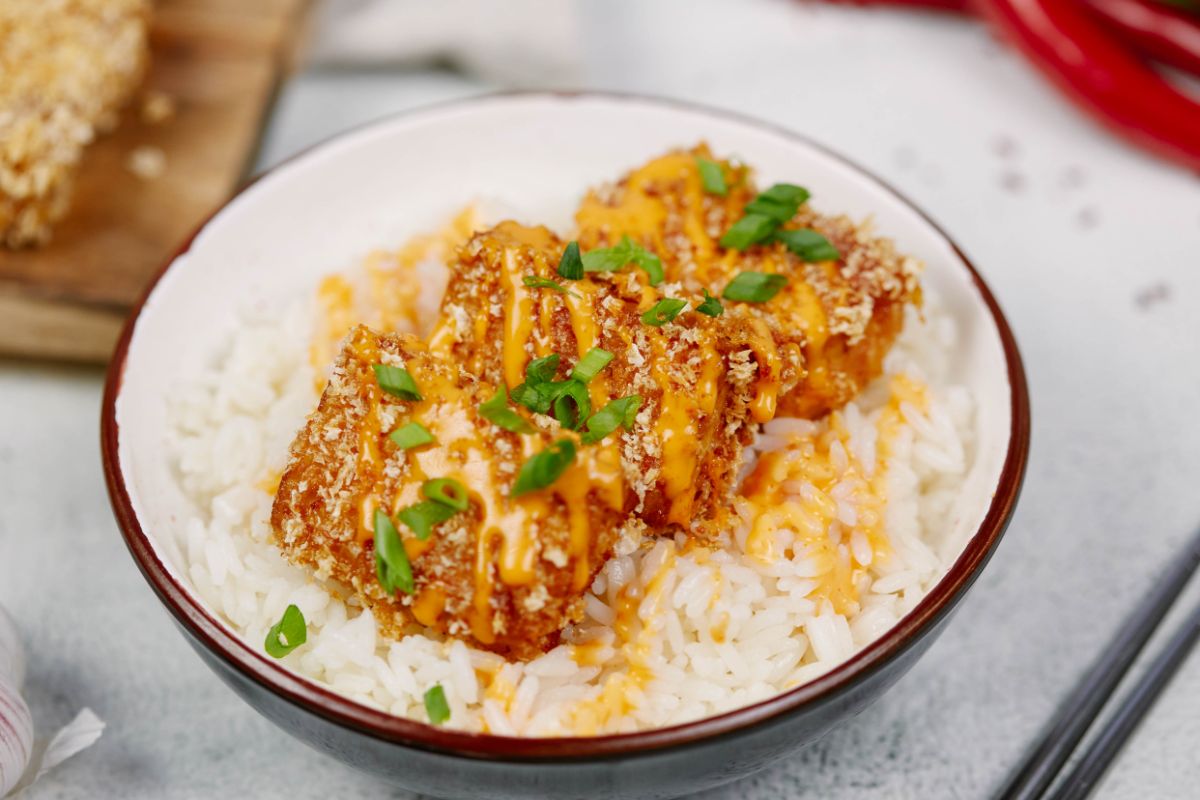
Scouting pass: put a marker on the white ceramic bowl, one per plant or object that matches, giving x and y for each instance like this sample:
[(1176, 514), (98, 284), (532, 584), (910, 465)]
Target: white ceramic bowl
[(327, 207)]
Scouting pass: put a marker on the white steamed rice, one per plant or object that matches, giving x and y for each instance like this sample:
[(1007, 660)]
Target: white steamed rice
[(702, 631)]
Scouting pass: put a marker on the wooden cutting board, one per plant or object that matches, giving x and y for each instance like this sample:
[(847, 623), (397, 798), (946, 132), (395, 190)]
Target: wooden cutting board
[(220, 62)]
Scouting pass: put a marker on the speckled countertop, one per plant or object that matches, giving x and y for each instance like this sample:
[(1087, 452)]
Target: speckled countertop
[(1093, 251)]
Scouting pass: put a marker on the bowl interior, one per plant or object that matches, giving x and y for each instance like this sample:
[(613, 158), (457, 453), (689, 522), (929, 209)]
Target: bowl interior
[(375, 187)]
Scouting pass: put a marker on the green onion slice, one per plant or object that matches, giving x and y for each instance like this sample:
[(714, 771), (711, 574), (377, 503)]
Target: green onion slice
[(436, 706), (448, 492), (764, 214), (414, 434), (396, 381), (391, 561), (542, 370), (286, 635), (546, 283), (421, 517), (544, 468), (619, 413), (808, 244), (572, 405), (712, 177), (754, 287), (625, 252), (664, 311), (570, 266), (748, 230), (497, 412), (710, 306), (592, 362)]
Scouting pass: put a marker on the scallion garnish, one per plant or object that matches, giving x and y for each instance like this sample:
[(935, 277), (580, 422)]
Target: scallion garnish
[(497, 412), (436, 706), (544, 468), (748, 230), (570, 266), (619, 413), (421, 517), (625, 252), (808, 244), (780, 202), (663, 311), (391, 560), (414, 434), (286, 635), (712, 177), (710, 306), (448, 492), (764, 214), (754, 287), (397, 381), (572, 404), (542, 370), (537, 398), (546, 283), (592, 362)]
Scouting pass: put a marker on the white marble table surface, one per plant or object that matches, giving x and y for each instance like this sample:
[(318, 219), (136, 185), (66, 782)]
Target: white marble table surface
[(1092, 249)]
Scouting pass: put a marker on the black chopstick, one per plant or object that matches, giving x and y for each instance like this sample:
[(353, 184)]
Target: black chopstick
[(1044, 759), (1085, 776)]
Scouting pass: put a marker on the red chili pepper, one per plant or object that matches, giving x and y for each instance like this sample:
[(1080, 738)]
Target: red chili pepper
[(1165, 34), (1103, 77), (1162, 33)]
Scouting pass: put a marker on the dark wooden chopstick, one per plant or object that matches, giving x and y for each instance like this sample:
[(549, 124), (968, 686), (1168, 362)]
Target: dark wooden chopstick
[(1086, 775), (1045, 759)]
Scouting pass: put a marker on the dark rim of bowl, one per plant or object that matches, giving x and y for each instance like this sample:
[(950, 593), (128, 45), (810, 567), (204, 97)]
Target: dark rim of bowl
[(255, 666)]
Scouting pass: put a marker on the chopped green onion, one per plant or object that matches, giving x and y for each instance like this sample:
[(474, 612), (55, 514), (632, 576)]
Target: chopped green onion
[(592, 362), (664, 311), (572, 405), (448, 492), (391, 560), (544, 468), (764, 206), (497, 412), (542, 370), (414, 434), (436, 706), (546, 283), (786, 194), (539, 398), (764, 214), (754, 287), (712, 177), (748, 230), (397, 381), (711, 306), (809, 245), (618, 413), (286, 635), (625, 252), (421, 517), (570, 266)]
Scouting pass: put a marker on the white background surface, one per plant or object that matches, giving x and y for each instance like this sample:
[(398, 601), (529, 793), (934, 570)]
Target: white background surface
[(1092, 249)]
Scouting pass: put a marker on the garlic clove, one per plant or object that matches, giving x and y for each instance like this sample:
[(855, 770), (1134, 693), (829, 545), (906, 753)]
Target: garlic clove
[(16, 735)]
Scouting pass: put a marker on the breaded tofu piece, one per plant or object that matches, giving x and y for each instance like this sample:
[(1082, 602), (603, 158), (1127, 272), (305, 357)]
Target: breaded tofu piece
[(841, 315), (703, 381), (507, 573)]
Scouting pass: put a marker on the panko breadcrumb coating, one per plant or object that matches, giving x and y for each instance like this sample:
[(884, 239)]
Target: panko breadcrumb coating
[(703, 381), (507, 573), (66, 67), (841, 315)]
